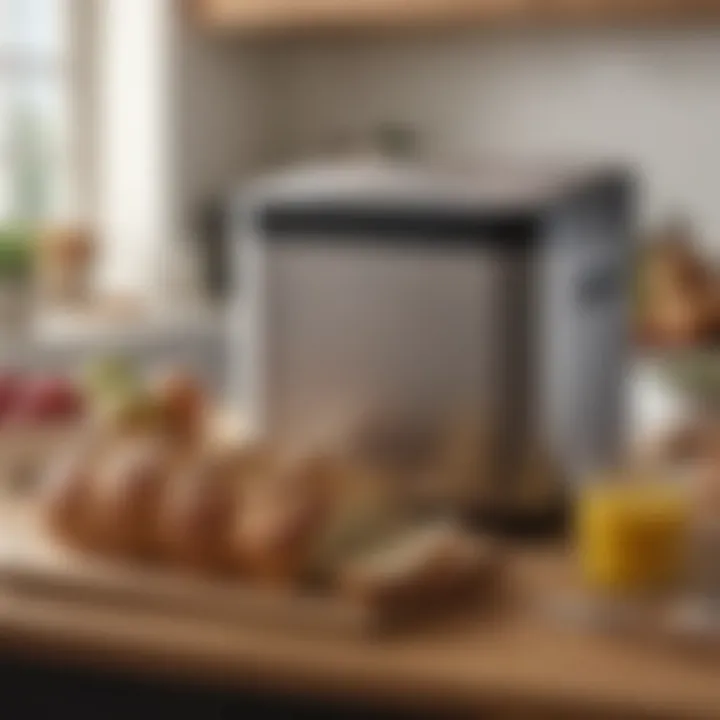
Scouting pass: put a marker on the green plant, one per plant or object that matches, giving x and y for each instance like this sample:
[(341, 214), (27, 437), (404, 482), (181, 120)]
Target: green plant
[(17, 252)]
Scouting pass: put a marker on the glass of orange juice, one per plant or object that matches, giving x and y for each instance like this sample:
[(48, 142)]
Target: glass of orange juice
[(632, 535)]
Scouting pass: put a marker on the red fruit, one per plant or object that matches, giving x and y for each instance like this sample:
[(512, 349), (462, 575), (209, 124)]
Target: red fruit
[(10, 390), (47, 399)]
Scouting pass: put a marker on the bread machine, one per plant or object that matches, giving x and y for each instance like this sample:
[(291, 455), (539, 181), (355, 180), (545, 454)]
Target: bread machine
[(476, 315)]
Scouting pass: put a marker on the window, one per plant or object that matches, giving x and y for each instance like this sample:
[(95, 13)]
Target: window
[(33, 90)]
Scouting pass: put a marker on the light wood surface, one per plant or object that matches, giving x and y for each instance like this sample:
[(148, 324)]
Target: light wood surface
[(254, 17), (513, 658), (34, 564)]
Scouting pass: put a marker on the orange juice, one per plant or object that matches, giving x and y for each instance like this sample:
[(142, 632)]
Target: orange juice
[(632, 536)]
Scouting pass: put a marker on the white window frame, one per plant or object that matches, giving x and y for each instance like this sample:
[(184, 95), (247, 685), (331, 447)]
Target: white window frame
[(82, 24), (77, 78)]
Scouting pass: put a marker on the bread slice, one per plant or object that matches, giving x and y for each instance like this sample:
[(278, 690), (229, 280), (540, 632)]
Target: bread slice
[(422, 565)]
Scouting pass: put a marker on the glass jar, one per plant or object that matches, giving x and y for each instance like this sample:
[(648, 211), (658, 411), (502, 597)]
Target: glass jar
[(65, 265), (633, 536)]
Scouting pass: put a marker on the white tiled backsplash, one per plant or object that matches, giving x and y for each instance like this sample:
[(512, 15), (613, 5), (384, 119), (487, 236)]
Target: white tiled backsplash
[(191, 115), (651, 97)]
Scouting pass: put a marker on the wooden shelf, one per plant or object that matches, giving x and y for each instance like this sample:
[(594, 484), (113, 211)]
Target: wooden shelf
[(268, 16), (263, 17)]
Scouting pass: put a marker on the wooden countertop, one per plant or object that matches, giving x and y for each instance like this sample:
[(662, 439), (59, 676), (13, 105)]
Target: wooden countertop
[(517, 659)]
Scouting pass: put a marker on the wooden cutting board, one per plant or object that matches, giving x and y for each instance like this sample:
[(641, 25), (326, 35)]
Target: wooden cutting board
[(30, 562), (33, 564)]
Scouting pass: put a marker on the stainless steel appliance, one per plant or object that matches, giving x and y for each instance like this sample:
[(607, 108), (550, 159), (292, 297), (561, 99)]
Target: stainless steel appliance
[(490, 300)]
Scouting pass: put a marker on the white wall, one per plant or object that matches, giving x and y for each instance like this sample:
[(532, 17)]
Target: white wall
[(184, 116), (219, 115), (650, 97)]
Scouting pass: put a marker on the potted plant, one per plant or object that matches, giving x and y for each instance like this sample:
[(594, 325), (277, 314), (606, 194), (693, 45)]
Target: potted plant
[(17, 256)]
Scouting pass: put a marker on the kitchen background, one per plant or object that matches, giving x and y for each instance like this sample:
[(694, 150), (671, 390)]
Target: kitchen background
[(166, 116), (202, 112), (130, 130)]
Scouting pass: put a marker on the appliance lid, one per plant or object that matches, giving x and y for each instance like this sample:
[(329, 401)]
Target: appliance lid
[(488, 186), (505, 199)]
